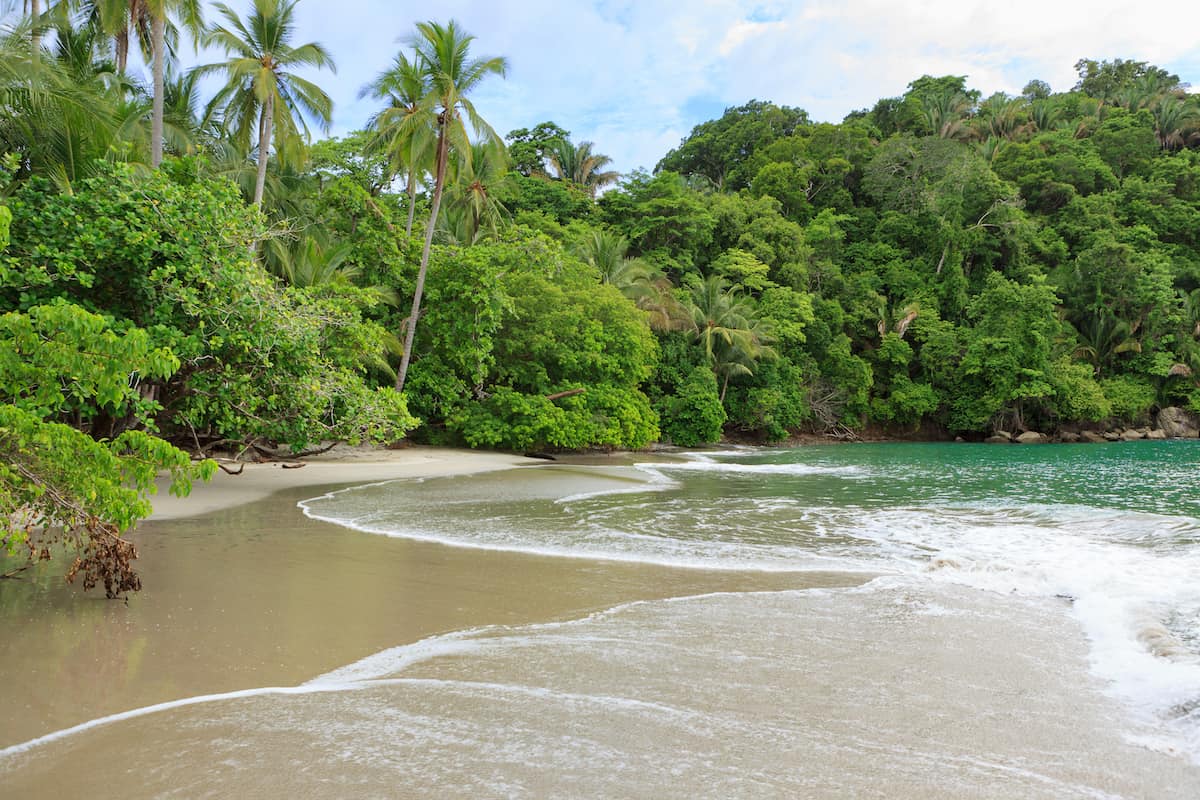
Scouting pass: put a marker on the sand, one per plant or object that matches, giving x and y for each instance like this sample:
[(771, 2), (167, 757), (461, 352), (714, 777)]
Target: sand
[(342, 465)]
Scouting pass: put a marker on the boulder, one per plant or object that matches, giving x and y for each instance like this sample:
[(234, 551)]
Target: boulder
[(1132, 436), (1178, 424), (1112, 436), (998, 439), (1092, 437), (1069, 437), (1032, 437), (1157, 433)]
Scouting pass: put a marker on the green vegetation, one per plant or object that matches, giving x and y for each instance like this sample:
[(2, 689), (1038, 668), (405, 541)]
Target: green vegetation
[(196, 273)]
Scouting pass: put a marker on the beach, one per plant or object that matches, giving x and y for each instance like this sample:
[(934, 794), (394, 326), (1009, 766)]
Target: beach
[(460, 626), (341, 465)]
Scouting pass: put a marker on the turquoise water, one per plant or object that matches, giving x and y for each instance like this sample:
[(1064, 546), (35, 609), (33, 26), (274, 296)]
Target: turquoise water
[(1110, 533)]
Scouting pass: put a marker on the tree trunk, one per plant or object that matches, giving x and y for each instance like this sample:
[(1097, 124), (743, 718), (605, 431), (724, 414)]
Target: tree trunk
[(264, 147), (158, 28), (122, 50), (412, 199), (35, 11), (439, 180)]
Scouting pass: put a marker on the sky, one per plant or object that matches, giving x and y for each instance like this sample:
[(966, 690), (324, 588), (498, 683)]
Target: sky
[(634, 76)]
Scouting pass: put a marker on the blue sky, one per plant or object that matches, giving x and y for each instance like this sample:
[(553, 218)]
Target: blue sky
[(634, 76)]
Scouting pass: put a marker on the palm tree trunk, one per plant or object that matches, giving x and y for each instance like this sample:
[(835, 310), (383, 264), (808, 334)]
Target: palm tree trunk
[(412, 199), (439, 180), (264, 147), (35, 11), (122, 50), (158, 28)]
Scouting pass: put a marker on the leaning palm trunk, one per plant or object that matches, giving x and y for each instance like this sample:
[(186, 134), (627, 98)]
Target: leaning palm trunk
[(439, 181), (412, 200), (158, 35), (264, 146)]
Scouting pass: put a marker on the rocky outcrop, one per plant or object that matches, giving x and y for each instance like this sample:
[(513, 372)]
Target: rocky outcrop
[(1178, 424), (1112, 436), (1092, 437), (1069, 437), (1032, 437), (1132, 435), (1157, 434), (1000, 437)]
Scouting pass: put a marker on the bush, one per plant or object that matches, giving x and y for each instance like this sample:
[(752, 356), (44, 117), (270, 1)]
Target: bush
[(694, 415), (1130, 397)]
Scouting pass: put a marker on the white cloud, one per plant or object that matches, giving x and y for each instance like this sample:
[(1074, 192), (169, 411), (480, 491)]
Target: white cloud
[(635, 75)]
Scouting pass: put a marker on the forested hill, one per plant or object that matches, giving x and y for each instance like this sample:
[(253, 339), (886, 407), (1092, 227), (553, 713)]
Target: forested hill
[(186, 271)]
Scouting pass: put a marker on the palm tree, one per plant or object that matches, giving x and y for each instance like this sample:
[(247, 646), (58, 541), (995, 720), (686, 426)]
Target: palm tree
[(259, 89), (61, 115), (578, 164), (149, 21), (1174, 118), (403, 130), (648, 288), (1045, 114), (193, 19), (946, 114), (472, 178), (1103, 336), (444, 52), (733, 338)]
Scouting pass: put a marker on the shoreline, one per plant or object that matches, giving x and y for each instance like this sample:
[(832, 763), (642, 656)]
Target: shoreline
[(342, 465)]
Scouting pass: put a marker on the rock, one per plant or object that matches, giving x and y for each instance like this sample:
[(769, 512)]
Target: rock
[(959, 439), (1157, 433), (1112, 436), (1092, 437), (1178, 424), (1132, 435), (1032, 437), (1069, 437), (998, 439), (1004, 434)]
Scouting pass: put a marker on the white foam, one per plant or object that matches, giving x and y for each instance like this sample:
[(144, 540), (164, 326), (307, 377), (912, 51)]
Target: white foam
[(24, 747), (761, 469)]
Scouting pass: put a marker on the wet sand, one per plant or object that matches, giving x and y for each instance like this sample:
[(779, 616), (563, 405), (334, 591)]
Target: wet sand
[(259, 595)]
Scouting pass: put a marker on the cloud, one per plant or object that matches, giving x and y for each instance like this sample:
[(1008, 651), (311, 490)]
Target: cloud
[(634, 76)]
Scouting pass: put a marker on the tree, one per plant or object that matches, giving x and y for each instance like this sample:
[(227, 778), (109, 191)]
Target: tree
[(259, 89), (578, 164), (402, 130), (57, 484), (444, 52), (472, 178), (190, 11), (529, 148), (725, 150), (727, 329)]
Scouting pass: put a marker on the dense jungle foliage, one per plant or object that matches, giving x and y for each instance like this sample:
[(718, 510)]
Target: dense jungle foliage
[(186, 272)]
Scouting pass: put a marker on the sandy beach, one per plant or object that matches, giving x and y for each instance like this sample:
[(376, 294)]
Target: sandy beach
[(242, 590), (341, 465)]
